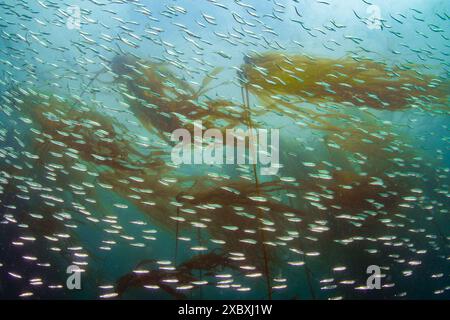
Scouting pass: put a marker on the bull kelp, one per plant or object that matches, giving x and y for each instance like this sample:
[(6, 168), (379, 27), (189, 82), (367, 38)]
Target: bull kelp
[(316, 140)]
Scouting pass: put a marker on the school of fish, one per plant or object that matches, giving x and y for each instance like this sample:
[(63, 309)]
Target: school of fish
[(91, 91)]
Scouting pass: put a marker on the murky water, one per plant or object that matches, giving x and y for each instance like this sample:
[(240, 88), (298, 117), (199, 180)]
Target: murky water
[(222, 149)]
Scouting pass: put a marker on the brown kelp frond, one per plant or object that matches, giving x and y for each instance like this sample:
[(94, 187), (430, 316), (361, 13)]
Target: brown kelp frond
[(233, 213), (209, 262), (175, 279), (162, 102), (206, 81), (97, 137), (346, 80), (155, 279)]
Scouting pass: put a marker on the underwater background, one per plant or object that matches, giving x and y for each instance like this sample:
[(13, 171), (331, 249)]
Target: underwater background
[(92, 90)]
